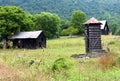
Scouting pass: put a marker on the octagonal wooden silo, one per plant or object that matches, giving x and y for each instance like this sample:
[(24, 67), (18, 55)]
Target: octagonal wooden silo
[(92, 35)]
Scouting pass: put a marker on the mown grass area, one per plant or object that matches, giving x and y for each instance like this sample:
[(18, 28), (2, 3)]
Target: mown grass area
[(56, 64)]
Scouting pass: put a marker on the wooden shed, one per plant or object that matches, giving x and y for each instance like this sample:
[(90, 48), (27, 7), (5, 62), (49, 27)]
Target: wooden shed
[(92, 35), (30, 40), (104, 27)]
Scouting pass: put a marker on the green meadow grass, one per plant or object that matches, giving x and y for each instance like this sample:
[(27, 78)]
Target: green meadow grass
[(63, 47)]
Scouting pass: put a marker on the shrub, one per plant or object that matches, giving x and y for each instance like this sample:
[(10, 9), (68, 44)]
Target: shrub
[(61, 69), (111, 43), (69, 31), (61, 64)]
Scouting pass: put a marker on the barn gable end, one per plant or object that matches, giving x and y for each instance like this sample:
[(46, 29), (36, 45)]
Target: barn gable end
[(104, 27)]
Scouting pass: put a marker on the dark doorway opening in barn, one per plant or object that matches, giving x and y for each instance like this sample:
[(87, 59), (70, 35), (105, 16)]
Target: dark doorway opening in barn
[(40, 45), (42, 39)]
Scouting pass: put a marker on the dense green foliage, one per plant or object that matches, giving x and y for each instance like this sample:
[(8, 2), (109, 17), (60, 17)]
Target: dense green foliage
[(65, 7), (75, 25), (77, 20), (60, 64), (69, 31), (64, 24), (12, 20), (107, 10), (49, 23), (102, 9)]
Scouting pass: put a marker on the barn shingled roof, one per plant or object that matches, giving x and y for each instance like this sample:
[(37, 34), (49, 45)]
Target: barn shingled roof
[(102, 26), (29, 34), (92, 21)]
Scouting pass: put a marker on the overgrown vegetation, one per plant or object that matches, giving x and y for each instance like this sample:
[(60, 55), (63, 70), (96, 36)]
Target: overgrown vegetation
[(107, 61), (56, 64)]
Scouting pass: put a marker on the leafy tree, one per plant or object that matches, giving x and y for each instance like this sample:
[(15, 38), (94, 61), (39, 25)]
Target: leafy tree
[(77, 20), (27, 23), (69, 31), (118, 32), (64, 24), (114, 27), (49, 23), (13, 19)]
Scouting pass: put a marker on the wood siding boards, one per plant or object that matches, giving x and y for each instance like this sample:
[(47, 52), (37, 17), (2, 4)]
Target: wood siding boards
[(29, 40), (92, 35)]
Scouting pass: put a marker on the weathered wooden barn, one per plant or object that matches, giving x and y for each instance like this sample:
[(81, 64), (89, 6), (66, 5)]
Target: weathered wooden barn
[(30, 40), (92, 36), (104, 27)]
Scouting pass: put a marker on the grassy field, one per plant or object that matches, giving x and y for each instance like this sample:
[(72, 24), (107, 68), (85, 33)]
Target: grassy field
[(46, 64)]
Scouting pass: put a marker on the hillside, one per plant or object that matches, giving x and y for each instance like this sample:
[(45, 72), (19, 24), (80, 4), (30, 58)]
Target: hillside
[(102, 9)]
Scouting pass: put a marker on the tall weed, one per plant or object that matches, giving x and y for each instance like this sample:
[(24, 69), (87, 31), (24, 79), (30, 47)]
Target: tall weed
[(107, 61)]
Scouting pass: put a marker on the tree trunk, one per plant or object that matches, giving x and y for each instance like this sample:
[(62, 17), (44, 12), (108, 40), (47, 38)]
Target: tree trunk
[(70, 35), (4, 44)]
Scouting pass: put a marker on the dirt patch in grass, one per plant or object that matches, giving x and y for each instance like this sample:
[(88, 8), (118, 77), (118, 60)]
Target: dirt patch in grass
[(79, 55)]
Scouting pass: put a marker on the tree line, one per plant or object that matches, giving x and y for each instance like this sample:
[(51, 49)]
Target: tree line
[(13, 19)]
